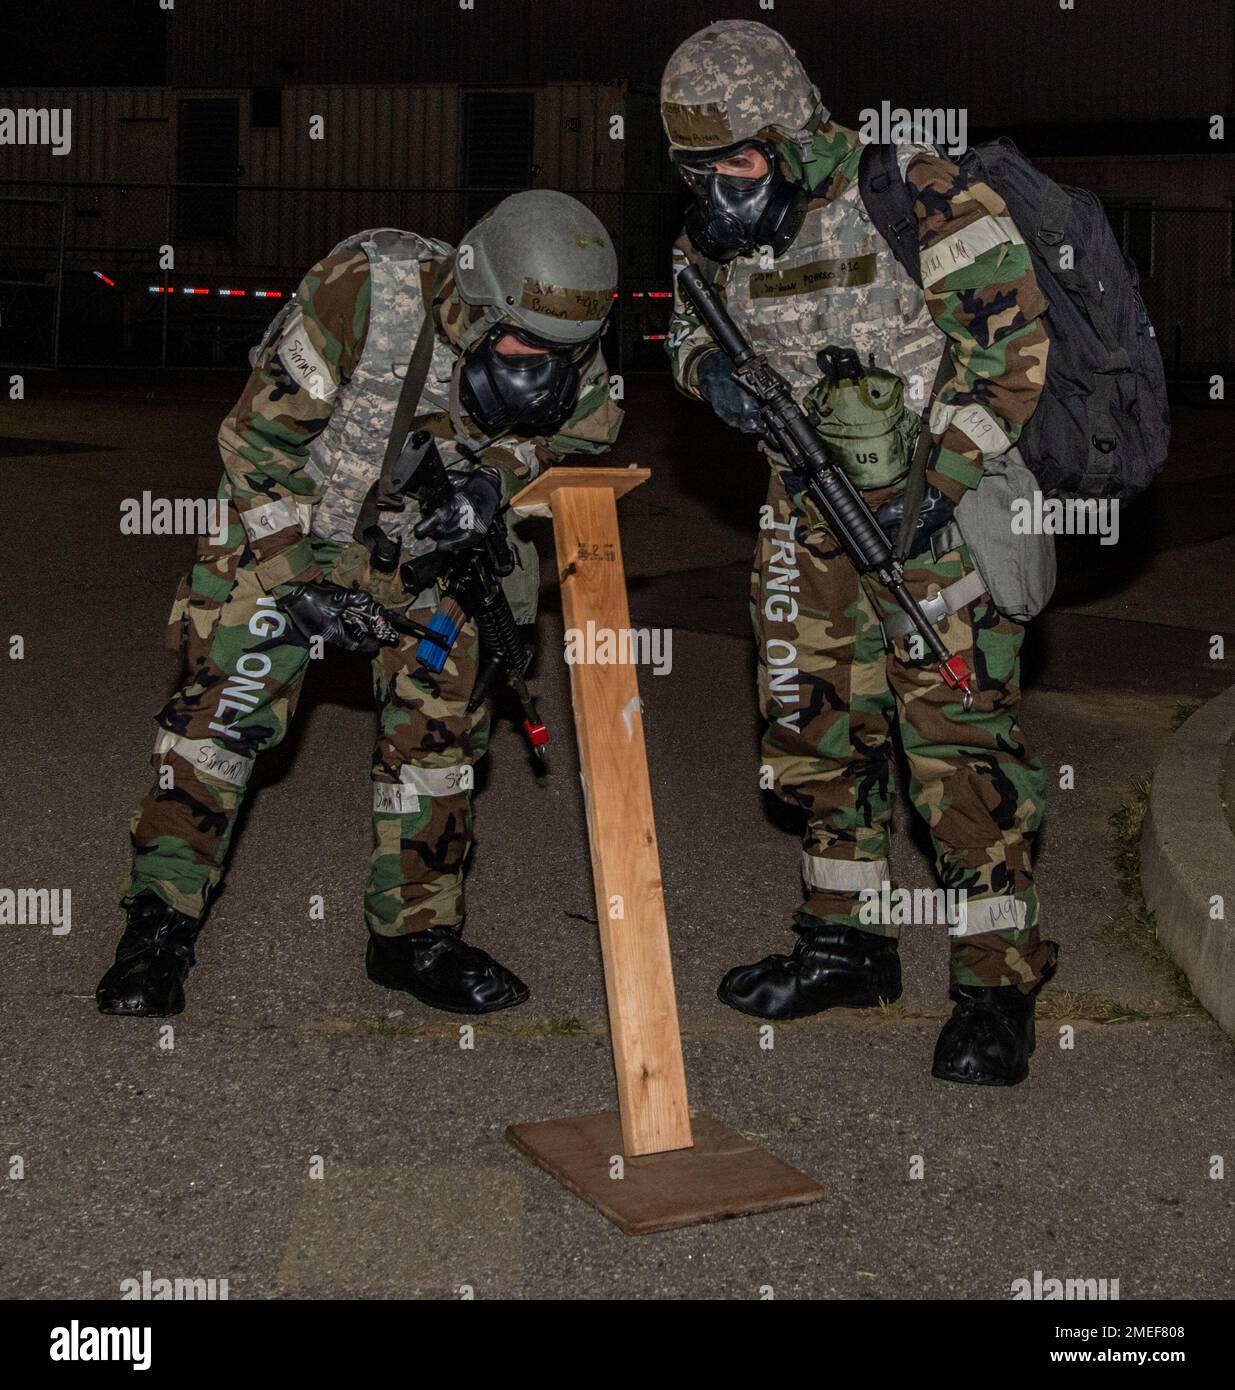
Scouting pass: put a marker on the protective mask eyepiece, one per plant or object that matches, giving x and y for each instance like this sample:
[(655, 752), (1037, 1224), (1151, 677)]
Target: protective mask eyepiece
[(734, 215), (531, 393)]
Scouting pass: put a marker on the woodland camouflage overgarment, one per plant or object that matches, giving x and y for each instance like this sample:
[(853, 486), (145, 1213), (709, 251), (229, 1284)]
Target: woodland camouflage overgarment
[(831, 694), (244, 665)]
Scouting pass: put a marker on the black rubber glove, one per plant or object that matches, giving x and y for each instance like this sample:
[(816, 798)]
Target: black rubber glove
[(935, 513), (346, 618), (735, 406), (464, 519)]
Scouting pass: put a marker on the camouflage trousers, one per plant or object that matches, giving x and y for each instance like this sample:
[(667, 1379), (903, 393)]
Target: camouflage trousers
[(833, 695), (244, 669)]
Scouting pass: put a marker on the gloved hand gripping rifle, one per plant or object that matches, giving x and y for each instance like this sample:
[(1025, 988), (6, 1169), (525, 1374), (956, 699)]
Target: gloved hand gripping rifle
[(468, 581), (844, 508)]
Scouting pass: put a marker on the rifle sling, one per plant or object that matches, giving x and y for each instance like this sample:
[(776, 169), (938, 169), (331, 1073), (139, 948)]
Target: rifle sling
[(915, 487)]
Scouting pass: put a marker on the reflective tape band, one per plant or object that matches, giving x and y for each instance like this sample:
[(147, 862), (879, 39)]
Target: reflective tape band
[(206, 758), (964, 247), (1002, 914), (976, 423), (270, 517), (844, 875), (938, 606), (403, 797)]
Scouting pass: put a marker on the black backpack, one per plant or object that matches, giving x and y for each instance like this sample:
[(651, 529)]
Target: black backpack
[(1102, 423)]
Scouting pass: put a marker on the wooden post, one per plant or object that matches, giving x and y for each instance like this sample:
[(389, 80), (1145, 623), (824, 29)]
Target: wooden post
[(669, 1181), (630, 906)]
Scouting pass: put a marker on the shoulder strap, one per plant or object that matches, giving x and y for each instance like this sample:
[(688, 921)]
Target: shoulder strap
[(915, 485), (890, 205), (409, 398)]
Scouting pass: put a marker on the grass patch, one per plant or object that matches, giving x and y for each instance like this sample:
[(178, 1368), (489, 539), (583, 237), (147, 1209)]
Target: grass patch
[(561, 1028), (1184, 711), (1071, 1005)]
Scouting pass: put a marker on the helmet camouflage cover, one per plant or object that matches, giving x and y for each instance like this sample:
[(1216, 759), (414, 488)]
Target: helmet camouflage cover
[(734, 81), (539, 260)]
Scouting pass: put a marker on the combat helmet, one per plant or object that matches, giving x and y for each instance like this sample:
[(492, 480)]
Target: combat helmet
[(541, 261), (734, 81)]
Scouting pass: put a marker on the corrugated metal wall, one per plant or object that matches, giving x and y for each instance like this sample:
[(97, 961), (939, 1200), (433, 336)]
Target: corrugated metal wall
[(384, 139), (99, 115)]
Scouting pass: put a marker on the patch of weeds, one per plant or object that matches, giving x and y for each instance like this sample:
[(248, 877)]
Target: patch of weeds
[(387, 1028), (560, 1028), (1071, 1005), (1184, 711)]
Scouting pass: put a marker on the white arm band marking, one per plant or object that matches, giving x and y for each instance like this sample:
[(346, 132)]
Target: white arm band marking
[(964, 247)]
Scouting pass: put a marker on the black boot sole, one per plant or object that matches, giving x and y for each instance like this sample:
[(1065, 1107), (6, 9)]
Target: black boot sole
[(1030, 1047), (120, 1011), (447, 1007), (941, 1075), (865, 1001)]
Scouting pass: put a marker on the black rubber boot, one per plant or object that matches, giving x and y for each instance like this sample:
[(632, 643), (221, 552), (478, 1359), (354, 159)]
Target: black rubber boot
[(443, 971), (152, 960), (989, 1039), (832, 966)]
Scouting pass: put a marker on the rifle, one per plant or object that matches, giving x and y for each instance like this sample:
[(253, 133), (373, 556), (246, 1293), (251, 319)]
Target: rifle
[(845, 510), (469, 584)]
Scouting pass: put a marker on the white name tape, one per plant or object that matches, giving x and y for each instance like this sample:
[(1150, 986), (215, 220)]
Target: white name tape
[(207, 758), (964, 247), (976, 423), (276, 516), (302, 361), (989, 914)]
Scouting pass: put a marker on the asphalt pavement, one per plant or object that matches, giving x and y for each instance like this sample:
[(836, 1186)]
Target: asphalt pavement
[(189, 1151)]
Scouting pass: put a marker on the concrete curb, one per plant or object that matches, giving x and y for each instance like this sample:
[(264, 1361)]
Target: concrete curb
[(1188, 856)]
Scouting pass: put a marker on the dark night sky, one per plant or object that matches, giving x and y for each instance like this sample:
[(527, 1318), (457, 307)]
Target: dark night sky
[(86, 43)]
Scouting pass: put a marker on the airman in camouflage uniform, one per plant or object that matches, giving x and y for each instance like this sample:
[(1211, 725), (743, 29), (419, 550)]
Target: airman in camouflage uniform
[(302, 450), (778, 222)]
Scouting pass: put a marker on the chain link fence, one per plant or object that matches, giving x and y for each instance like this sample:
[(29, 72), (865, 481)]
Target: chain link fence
[(237, 251), (81, 281)]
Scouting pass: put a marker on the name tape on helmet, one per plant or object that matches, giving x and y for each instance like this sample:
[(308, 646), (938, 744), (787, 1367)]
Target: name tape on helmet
[(559, 303), (702, 127)]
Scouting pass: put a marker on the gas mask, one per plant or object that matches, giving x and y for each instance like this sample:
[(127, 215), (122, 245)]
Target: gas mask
[(521, 393), (732, 216)]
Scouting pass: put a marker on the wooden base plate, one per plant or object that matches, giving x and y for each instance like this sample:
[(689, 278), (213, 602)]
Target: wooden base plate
[(723, 1175)]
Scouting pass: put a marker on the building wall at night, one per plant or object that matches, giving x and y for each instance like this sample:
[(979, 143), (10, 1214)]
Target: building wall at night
[(1008, 63)]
